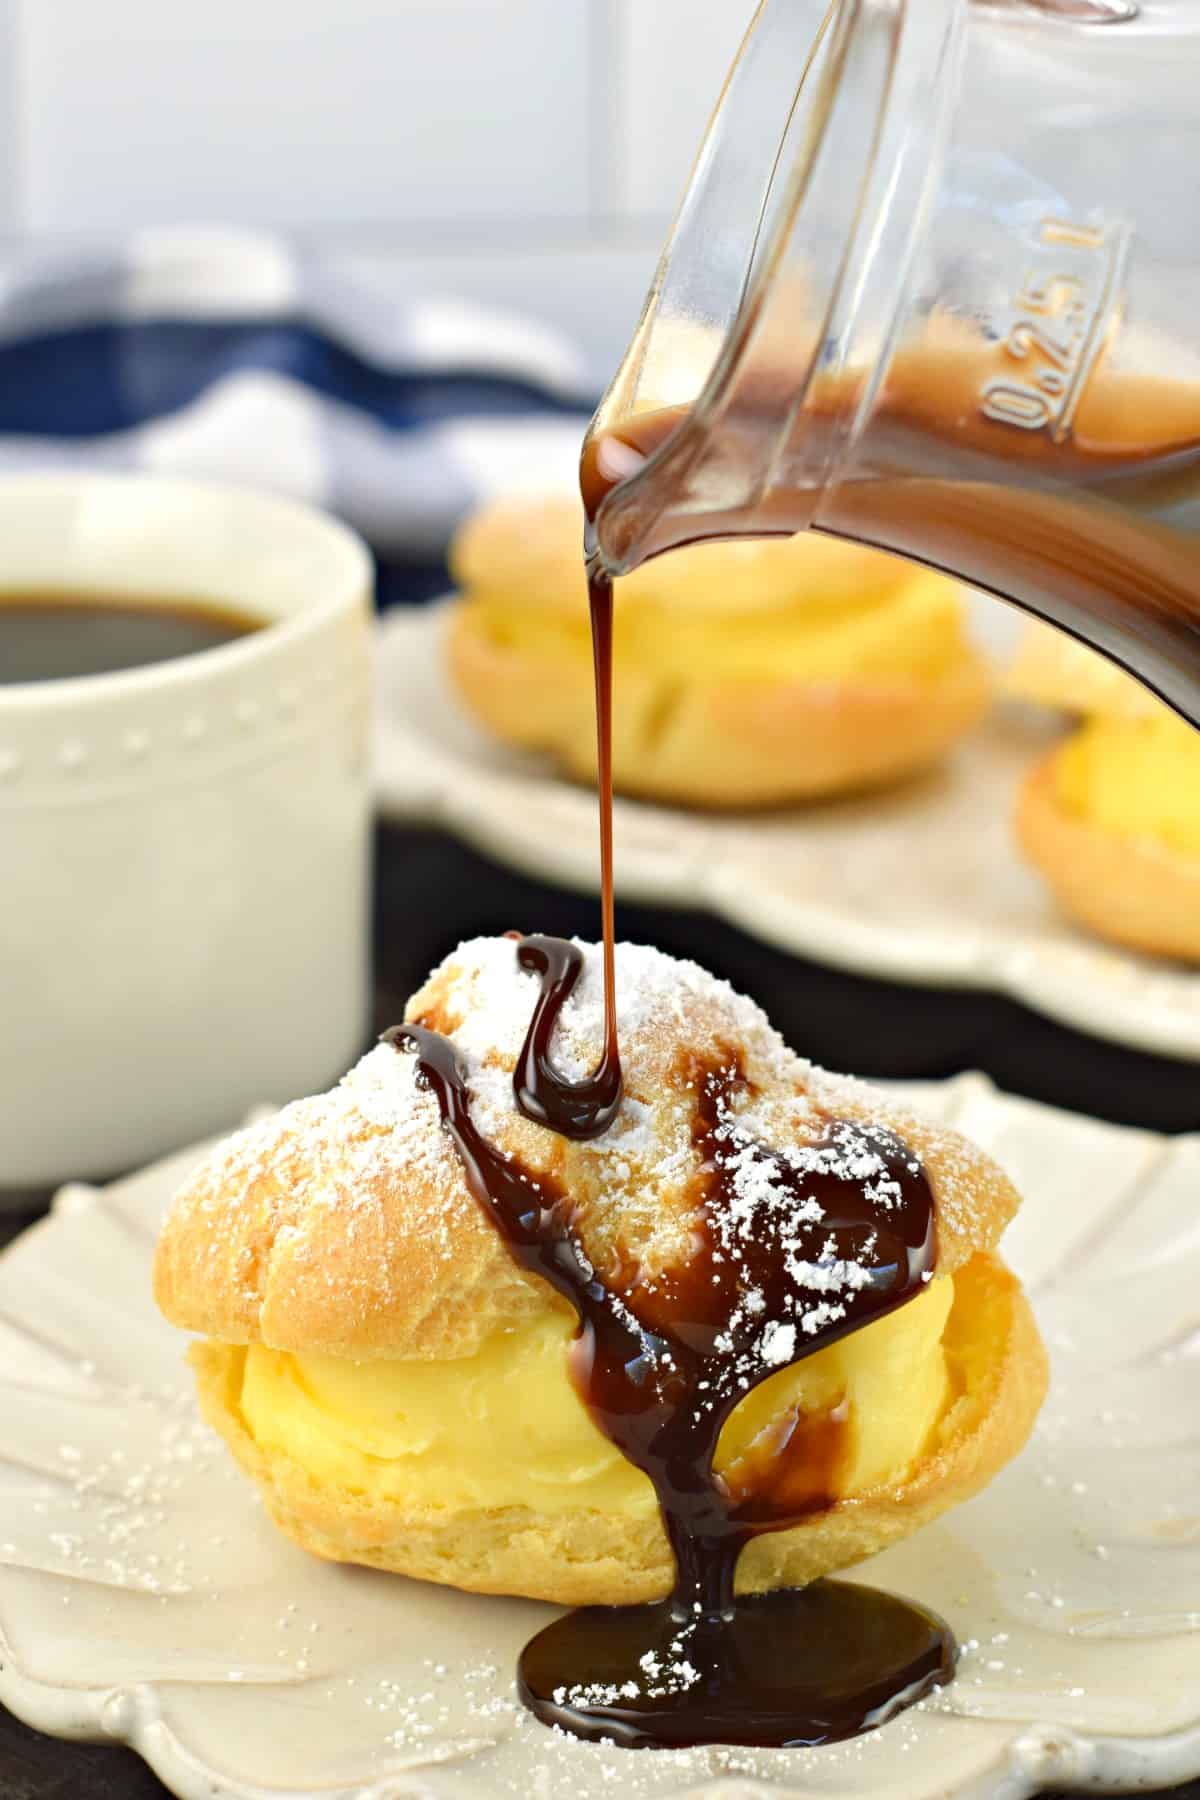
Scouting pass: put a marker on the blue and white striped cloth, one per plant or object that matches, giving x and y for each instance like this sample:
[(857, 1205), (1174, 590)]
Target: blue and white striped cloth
[(234, 356)]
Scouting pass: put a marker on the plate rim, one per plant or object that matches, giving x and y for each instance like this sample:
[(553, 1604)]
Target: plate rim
[(1034, 1758)]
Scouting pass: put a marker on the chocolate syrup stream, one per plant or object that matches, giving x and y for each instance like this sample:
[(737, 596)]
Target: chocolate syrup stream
[(600, 607), (662, 1364), (586, 1108)]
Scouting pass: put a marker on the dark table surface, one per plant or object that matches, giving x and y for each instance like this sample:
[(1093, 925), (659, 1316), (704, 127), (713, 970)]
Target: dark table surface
[(431, 892)]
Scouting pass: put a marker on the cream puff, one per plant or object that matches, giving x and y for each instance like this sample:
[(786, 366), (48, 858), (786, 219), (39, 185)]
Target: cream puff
[(745, 674), (1111, 816), (399, 1387)]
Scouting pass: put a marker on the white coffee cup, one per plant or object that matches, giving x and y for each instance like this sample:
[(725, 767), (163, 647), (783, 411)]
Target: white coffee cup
[(184, 847)]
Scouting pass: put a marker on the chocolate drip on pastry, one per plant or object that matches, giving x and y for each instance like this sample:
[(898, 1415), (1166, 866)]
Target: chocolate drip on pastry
[(531, 1212), (790, 1251), (575, 1109)]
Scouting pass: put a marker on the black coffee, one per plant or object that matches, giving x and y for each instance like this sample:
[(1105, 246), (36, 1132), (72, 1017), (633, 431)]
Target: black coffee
[(46, 636)]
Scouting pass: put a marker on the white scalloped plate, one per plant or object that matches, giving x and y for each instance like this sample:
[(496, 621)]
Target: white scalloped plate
[(920, 884), (144, 1596)]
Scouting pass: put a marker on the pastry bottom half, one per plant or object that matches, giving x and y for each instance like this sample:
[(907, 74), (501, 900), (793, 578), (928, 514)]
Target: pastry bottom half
[(490, 1476)]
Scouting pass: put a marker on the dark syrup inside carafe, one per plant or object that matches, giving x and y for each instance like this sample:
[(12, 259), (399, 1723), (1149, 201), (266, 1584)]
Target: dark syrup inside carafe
[(1096, 530)]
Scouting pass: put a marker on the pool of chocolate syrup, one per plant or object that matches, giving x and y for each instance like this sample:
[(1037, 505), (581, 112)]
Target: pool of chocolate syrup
[(796, 1667)]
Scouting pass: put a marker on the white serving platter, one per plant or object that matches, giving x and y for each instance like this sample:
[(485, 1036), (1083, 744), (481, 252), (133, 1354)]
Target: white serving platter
[(144, 1596)]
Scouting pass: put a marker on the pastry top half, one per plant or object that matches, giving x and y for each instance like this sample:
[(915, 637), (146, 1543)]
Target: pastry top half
[(343, 1225)]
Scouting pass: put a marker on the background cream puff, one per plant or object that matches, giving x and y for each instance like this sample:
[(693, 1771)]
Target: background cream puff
[(398, 1387), (745, 674), (1111, 816)]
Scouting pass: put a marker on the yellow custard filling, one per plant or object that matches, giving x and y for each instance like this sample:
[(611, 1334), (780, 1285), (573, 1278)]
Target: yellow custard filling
[(916, 628), (505, 1427), (1134, 777)]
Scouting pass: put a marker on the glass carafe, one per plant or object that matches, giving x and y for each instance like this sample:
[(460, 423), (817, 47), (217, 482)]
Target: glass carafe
[(935, 286)]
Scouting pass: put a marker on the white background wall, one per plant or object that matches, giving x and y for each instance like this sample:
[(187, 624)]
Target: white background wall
[(528, 152)]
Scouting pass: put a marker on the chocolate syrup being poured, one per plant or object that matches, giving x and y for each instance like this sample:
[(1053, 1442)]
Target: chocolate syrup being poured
[(789, 1251), (841, 1232), (575, 1109), (600, 607)]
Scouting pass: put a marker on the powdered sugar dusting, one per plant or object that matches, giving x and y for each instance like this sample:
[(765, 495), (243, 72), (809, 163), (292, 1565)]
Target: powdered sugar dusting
[(655, 992), (955, 1165), (258, 1203), (375, 1117), (667, 1001), (264, 1200), (661, 1674)]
